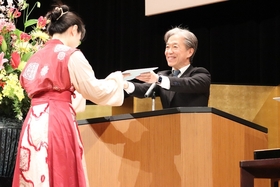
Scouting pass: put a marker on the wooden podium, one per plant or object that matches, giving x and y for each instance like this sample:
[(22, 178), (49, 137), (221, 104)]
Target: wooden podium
[(177, 147)]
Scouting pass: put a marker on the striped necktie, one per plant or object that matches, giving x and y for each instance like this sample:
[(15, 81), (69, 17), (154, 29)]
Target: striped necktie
[(175, 73)]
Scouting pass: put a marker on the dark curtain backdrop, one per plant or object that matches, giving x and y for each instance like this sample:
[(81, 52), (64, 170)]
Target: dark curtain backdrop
[(238, 40)]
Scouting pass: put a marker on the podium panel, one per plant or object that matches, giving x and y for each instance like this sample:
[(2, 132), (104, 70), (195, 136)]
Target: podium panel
[(178, 147)]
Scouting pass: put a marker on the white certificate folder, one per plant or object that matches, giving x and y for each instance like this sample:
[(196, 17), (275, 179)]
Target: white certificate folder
[(135, 72)]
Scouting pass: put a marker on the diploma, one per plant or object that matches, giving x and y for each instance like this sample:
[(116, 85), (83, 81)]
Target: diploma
[(135, 72)]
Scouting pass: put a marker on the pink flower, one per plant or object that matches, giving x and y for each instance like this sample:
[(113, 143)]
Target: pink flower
[(25, 37), (6, 27), (14, 13), (15, 60), (42, 22), (10, 26), (2, 60)]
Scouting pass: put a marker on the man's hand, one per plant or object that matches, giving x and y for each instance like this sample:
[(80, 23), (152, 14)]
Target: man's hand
[(149, 77)]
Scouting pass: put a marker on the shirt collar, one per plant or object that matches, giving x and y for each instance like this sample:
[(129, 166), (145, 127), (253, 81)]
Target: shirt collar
[(183, 69)]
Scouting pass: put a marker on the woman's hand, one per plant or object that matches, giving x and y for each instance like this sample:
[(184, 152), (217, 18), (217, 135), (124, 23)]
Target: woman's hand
[(125, 75)]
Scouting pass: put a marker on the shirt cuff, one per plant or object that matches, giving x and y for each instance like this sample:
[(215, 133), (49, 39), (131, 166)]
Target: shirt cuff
[(130, 88), (165, 83)]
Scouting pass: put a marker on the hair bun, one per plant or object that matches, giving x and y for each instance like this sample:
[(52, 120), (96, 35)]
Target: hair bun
[(57, 12), (65, 8)]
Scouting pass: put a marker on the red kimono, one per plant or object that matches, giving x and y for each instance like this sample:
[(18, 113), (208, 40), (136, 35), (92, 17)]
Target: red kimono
[(50, 150)]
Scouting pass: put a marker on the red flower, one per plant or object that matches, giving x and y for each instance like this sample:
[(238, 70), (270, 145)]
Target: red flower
[(15, 60), (25, 37), (42, 22), (14, 13), (2, 84)]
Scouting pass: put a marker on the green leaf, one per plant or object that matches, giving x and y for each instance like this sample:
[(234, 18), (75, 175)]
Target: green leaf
[(9, 69), (4, 45), (30, 22), (26, 56), (17, 32)]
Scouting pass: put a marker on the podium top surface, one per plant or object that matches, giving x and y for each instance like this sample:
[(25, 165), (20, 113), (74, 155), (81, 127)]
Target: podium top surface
[(173, 111)]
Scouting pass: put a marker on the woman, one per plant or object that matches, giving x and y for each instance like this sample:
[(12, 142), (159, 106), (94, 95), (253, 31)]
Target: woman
[(50, 152)]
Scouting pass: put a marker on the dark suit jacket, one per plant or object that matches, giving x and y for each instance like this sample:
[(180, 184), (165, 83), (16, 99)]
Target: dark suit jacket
[(191, 89)]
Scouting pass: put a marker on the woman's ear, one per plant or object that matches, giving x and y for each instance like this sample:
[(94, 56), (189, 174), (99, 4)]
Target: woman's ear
[(74, 29)]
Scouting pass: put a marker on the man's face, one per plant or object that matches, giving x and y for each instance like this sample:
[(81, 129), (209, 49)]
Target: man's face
[(176, 52)]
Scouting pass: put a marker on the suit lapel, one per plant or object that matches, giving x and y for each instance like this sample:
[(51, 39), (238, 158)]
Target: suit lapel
[(170, 94), (187, 73)]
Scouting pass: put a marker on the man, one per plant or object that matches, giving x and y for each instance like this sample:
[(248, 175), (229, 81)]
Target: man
[(191, 87)]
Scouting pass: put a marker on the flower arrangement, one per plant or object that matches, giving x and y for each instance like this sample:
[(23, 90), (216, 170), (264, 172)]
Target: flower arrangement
[(16, 47)]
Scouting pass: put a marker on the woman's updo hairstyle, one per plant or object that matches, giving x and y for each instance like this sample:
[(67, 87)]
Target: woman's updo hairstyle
[(61, 18)]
